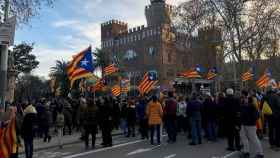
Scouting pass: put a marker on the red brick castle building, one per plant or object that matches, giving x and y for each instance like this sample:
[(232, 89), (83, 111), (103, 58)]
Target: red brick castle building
[(158, 46)]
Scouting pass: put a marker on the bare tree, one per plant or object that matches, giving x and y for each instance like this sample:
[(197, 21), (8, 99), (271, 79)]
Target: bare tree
[(248, 26), (26, 9)]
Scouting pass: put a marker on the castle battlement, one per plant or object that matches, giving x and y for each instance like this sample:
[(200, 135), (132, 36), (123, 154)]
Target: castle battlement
[(113, 21), (167, 6)]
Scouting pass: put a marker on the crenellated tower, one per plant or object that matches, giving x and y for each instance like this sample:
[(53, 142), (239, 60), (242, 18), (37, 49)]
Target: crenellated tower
[(112, 29), (158, 13)]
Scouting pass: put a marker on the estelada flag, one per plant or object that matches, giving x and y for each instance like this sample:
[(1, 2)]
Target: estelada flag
[(116, 90), (81, 66), (192, 73), (8, 139), (264, 79), (212, 73), (249, 75), (98, 86), (110, 69), (148, 82)]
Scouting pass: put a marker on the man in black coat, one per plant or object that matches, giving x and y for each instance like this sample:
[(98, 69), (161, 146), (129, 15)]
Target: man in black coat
[(232, 110), (105, 121), (28, 129)]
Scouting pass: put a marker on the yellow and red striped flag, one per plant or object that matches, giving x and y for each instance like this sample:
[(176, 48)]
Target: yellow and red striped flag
[(98, 86), (249, 75), (81, 66), (125, 84), (8, 139), (116, 90), (212, 73), (110, 69), (190, 74), (264, 80), (148, 82)]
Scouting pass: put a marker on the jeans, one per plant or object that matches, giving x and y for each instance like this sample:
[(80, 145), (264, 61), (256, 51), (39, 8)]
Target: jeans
[(274, 131), (249, 137), (124, 126), (28, 145), (153, 128), (131, 129), (46, 132), (233, 137), (196, 131), (90, 130), (181, 124), (212, 130), (171, 129), (143, 128)]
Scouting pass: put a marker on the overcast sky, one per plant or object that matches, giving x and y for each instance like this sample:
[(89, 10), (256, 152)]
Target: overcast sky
[(72, 25)]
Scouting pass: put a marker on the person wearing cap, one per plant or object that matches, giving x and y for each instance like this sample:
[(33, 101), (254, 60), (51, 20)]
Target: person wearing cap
[(232, 120), (28, 129)]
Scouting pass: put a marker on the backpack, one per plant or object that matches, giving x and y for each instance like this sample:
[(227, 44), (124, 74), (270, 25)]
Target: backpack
[(60, 120)]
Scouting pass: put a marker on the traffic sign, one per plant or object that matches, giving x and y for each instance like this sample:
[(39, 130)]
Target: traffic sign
[(7, 31)]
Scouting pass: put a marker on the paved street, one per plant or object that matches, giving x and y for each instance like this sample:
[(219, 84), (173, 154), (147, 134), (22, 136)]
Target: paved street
[(135, 148)]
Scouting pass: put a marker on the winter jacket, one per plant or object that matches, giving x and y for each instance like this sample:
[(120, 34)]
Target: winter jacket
[(231, 111), (141, 110), (249, 115), (170, 109), (91, 116), (154, 113), (194, 110), (274, 102), (131, 113), (210, 110), (29, 123)]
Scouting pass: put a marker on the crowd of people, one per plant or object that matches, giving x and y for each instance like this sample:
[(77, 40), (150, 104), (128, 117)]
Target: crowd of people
[(242, 119)]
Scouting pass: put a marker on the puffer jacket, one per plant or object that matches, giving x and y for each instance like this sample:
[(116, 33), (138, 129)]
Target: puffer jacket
[(154, 113)]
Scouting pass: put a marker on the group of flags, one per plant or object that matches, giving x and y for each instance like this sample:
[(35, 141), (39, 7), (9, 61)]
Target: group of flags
[(8, 139), (82, 66), (263, 81), (195, 72)]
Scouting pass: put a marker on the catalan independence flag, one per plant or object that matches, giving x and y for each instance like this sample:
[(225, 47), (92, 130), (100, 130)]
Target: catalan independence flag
[(81, 66), (116, 90), (264, 79), (98, 86), (190, 74), (249, 75), (148, 82), (212, 73), (125, 84), (110, 69), (8, 139)]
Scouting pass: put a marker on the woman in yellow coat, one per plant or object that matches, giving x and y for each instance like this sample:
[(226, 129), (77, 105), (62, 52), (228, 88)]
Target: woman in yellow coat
[(154, 114)]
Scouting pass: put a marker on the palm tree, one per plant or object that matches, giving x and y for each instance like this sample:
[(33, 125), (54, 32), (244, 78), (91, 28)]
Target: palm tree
[(101, 59), (59, 73)]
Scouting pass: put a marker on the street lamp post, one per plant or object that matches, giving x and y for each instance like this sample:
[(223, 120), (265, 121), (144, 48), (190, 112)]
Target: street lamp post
[(4, 61)]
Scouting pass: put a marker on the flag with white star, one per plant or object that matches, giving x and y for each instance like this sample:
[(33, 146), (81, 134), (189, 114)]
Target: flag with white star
[(81, 66)]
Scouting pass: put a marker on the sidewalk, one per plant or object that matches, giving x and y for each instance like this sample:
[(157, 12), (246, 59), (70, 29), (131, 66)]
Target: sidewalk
[(39, 144)]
